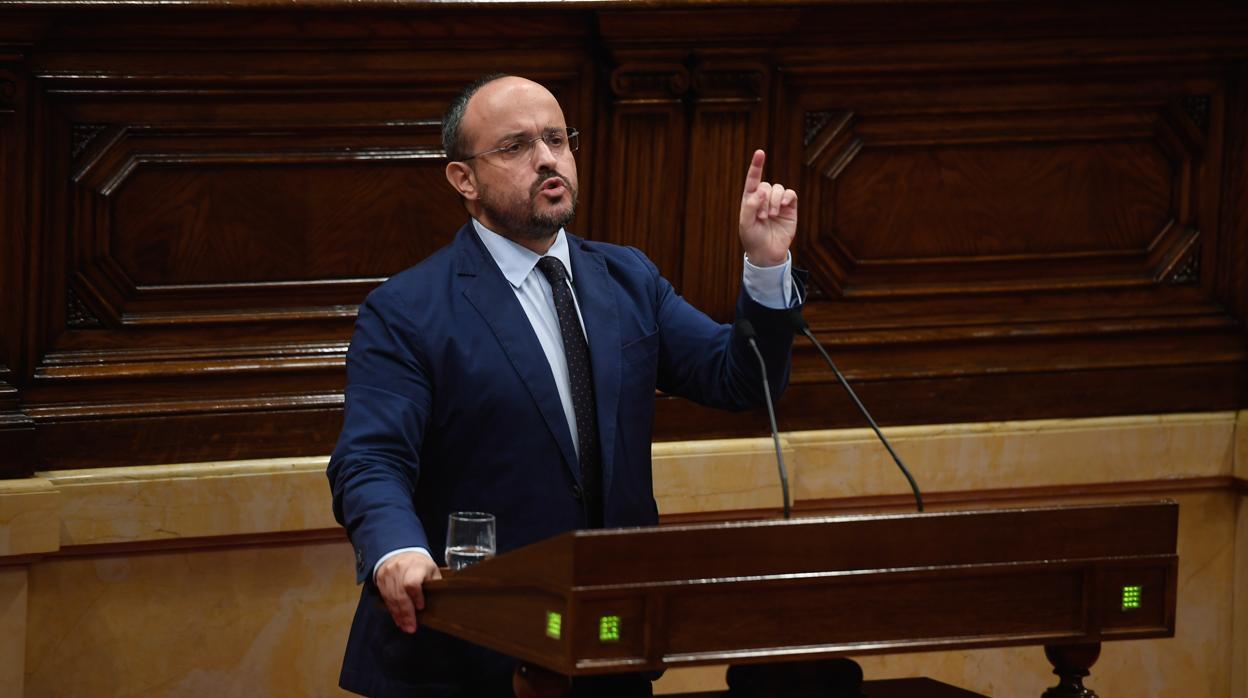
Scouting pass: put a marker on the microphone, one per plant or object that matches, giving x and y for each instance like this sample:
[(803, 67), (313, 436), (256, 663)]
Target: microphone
[(800, 327), (746, 328)]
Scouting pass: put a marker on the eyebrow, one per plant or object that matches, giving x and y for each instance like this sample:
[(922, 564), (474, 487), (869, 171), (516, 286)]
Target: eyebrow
[(515, 135)]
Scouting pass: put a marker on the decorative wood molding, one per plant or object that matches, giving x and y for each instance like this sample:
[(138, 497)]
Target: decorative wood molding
[(1189, 271), (915, 200), (77, 314), (154, 236), (644, 81), (938, 501), (81, 136), (729, 82), (1197, 109), (815, 122), (8, 93)]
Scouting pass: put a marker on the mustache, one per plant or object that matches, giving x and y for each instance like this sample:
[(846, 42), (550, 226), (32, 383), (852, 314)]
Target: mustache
[(544, 175)]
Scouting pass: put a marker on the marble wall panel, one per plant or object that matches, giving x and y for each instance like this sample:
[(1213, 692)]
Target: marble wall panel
[(29, 517), (719, 475), (13, 592), (1241, 446), (1010, 455), (1239, 620), (141, 503), (256, 621)]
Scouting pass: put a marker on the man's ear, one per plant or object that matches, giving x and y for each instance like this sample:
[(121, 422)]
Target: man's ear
[(463, 179)]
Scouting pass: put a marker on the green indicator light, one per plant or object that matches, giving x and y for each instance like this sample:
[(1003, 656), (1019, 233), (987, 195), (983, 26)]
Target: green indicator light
[(1131, 597), (554, 624), (609, 629)]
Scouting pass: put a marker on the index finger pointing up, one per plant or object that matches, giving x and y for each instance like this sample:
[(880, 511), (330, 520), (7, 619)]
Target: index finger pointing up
[(755, 174)]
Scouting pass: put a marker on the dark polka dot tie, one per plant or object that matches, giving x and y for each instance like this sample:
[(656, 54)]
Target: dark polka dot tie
[(576, 351)]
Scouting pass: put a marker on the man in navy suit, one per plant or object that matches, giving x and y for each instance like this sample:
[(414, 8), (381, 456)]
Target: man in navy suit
[(467, 390)]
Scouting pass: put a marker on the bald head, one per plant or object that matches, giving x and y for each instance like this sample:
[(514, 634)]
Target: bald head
[(452, 121), (486, 101)]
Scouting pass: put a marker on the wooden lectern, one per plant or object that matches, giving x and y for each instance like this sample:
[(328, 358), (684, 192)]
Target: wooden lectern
[(626, 600)]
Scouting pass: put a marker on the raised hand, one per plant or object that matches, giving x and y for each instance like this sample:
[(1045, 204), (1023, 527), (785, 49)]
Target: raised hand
[(768, 217)]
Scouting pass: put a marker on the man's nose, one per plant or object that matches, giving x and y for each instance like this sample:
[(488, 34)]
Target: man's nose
[(543, 157)]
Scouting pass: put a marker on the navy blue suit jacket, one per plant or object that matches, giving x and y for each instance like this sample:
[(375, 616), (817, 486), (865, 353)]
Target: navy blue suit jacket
[(451, 405)]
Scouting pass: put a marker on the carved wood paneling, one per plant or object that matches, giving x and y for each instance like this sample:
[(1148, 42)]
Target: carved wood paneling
[(1010, 210), (642, 189), (923, 202), (728, 123), (16, 428), (1228, 259), (175, 223)]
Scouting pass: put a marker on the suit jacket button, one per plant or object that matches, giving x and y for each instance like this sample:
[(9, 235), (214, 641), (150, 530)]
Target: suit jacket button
[(576, 491)]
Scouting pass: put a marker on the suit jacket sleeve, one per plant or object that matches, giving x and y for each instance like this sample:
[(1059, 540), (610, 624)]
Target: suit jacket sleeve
[(376, 464), (712, 363)]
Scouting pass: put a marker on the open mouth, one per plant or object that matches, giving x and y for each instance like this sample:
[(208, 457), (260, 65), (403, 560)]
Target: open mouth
[(553, 187)]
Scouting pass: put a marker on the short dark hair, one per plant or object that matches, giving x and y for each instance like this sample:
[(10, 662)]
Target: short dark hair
[(452, 140)]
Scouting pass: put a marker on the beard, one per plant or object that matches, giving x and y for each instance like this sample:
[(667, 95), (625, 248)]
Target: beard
[(517, 216)]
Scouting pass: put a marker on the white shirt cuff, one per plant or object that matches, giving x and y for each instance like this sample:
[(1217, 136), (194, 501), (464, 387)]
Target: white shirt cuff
[(770, 287), (392, 553)]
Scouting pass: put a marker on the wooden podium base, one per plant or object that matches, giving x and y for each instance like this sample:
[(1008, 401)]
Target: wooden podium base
[(885, 688), (837, 678)]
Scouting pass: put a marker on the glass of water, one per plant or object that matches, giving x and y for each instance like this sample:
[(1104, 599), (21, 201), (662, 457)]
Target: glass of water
[(469, 538)]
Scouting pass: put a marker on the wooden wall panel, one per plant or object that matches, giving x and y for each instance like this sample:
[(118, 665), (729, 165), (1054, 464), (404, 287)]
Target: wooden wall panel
[(1009, 210), (16, 427), (643, 188), (728, 123), (1002, 191)]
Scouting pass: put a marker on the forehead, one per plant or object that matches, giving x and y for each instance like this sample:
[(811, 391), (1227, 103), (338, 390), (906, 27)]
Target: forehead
[(510, 106)]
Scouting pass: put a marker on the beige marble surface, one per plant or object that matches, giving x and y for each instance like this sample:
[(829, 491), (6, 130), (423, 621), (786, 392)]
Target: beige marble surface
[(1240, 468), (144, 503), (29, 517), (13, 593), (1007, 455), (1239, 619), (717, 475), (131, 504), (258, 621)]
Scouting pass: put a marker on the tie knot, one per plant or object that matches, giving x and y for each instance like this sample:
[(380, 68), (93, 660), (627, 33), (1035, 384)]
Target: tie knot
[(553, 269)]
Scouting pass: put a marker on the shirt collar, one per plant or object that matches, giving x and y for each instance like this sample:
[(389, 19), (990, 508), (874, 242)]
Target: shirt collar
[(517, 261)]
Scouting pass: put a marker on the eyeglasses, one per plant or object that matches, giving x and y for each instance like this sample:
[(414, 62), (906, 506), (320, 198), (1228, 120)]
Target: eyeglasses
[(558, 140)]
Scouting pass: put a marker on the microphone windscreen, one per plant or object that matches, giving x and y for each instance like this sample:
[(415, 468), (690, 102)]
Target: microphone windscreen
[(746, 328), (797, 321)]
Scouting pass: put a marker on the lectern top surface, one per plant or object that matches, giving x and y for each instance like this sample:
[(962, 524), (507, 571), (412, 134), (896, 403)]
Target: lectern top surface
[(838, 544)]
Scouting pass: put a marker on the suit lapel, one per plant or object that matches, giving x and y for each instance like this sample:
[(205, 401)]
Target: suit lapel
[(596, 297), (493, 297)]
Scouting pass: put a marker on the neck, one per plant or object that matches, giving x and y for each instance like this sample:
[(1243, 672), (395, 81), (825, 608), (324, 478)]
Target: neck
[(538, 243)]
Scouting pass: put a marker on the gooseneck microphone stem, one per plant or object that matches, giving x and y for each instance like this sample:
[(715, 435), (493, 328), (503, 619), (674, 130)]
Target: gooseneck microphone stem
[(800, 323), (747, 329)]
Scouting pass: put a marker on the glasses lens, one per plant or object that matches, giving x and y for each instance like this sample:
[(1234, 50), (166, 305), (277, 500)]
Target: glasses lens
[(574, 139)]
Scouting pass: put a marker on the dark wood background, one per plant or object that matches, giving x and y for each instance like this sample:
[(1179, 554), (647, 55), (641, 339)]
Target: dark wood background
[(1009, 209)]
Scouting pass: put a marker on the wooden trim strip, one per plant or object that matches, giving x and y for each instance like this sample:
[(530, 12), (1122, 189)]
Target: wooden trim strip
[(247, 540), (968, 498), (1240, 485)]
